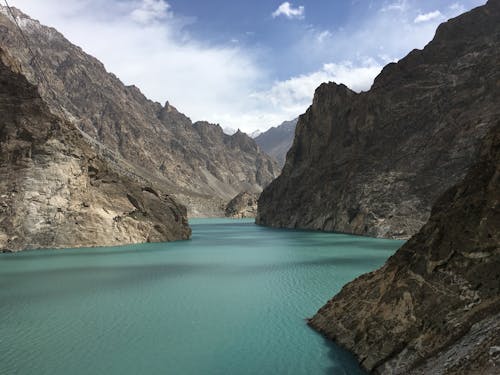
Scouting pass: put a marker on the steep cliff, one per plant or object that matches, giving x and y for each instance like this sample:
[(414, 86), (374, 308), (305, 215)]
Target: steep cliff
[(203, 167), (57, 190), (373, 163), (277, 140), (434, 307)]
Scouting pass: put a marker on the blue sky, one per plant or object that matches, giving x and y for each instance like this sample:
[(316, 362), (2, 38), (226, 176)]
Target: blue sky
[(245, 64)]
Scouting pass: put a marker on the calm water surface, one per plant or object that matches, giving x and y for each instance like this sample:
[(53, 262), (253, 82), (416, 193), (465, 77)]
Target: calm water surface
[(231, 301)]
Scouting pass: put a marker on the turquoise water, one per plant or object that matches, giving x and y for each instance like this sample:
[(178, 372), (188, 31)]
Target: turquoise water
[(231, 301)]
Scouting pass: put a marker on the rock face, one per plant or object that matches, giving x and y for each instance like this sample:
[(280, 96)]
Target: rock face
[(243, 205), (199, 164), (373, 163), (57, 190), (434, 307), (278, 140)]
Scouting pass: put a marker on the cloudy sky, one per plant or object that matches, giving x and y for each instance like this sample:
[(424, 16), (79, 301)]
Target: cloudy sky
[(245, 64)]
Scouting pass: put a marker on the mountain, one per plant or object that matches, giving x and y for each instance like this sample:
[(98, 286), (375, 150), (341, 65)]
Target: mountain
[(434, 307), (373, 163), (197, 163), (255, 134), (277, 140), (58, 190)]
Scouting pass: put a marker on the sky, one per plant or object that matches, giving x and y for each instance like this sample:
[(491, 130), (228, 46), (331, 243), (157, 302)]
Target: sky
[(245, 64)]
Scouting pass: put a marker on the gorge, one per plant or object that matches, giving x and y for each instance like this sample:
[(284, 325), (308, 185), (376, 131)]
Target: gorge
[(388, 200)]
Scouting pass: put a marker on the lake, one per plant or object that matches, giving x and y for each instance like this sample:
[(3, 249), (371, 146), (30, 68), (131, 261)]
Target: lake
[(233, 300)]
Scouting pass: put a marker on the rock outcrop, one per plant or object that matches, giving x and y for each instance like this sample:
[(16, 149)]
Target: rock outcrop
[(277, 141), (373, 163), (199, 164), (434, 307), (242, 206), (57, 190)]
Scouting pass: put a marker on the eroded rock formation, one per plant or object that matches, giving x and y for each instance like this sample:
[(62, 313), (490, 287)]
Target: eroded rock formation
[(56, 188)]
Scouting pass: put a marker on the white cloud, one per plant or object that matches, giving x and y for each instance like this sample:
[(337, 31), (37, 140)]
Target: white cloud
[(399, 5), (457, 8), (146, 43), (385, 35), (204, 81), (294, 95), (150, 11), (428, 16), (323, 35), (287, 10)]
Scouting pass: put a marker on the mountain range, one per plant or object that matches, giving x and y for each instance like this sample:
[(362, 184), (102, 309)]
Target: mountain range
[(196, 162)]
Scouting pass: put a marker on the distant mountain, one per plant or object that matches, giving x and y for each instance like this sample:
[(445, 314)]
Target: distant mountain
[(277, 140), (255, 134), (197, 163), (373, 163)]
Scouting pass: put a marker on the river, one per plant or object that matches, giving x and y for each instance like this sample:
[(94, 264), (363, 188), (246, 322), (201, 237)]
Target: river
[(233, 300)]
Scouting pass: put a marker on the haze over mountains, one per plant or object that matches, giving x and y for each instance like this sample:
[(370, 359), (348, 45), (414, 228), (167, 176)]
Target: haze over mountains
[(276, 141)]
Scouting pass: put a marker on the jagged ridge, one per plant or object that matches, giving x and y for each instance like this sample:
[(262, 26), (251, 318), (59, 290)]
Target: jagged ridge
[(197, 163)]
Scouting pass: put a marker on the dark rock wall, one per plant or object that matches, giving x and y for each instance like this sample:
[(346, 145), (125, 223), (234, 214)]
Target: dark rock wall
[(434, 307), (373, 163)]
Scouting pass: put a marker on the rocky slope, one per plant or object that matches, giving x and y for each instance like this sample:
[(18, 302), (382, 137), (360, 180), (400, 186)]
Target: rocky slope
[(243, 205), (434, 307), (278, 140), (56, 190), (373, 163), (203, 167)]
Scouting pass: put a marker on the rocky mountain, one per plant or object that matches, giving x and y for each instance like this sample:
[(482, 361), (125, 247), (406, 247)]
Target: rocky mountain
[(58, 190), (373, 163), (277, 140), (434, 307), (199, 164), (242, 206), (255, 134)]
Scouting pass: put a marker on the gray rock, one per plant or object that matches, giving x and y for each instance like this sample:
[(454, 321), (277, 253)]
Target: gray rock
[(277, 141), (244, 205), (57, 190)]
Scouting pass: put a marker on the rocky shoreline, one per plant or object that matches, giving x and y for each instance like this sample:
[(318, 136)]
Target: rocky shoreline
[(433, 308)]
